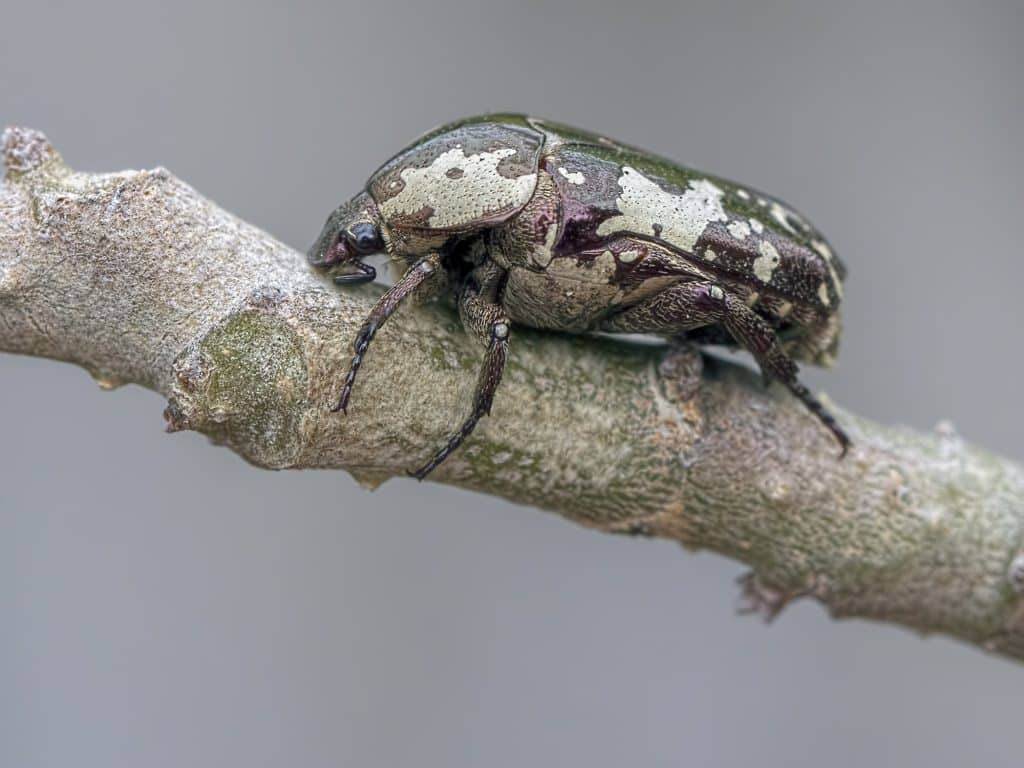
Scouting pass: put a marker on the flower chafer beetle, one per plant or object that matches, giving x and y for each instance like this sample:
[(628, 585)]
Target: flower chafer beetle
[(527, 221)]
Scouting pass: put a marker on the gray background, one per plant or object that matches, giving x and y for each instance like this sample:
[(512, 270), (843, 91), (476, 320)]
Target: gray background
[(164, 604)]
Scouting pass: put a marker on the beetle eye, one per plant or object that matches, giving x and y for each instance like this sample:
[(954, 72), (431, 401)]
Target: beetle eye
[(365, 238)]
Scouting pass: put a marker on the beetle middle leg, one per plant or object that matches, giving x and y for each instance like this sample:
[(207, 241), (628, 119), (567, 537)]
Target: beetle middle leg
[(419, 278), (699, 303), (483, 316)]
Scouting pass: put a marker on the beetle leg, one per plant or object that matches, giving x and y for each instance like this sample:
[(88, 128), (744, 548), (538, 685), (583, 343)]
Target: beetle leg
[(760, 339), (413, 279), (483, 316), (695, 304)]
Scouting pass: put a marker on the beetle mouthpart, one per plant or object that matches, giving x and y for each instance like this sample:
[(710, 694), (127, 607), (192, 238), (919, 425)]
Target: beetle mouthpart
[(316, 258), (336, 252), (364, 274), (323, 257)]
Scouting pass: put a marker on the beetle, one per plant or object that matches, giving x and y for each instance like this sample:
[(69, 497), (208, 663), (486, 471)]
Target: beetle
[(527, 221)]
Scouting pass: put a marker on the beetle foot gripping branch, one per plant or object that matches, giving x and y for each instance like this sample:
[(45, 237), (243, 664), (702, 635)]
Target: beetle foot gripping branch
[(565, 230)]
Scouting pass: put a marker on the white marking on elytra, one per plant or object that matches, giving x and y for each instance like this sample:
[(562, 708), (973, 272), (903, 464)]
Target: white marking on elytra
[(752, 298), (826, 253), (822, 248), (716, 292), (573, 177), (784, 309), (479, 191), (785, 216), (542, 254), (742, 194), (645, 207), (739, 229), (710, 254), (836, 282), (756, 225), (823, 293), (628, 257), (765, 264)]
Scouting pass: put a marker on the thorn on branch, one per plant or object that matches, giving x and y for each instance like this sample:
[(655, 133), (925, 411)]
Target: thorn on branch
[(758, 597)]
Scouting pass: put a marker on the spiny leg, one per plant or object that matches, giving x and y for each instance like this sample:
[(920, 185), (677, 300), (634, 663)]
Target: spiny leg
[(690, 305), (760, 339), (487, 383), (414, 278), (484, 317)]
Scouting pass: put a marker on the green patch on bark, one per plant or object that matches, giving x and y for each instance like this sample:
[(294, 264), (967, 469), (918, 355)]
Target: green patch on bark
[(257, 386)]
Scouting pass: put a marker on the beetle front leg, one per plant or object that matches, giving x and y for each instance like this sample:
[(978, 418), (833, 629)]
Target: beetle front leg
[(690, 305), (484, 317), (415, 279)]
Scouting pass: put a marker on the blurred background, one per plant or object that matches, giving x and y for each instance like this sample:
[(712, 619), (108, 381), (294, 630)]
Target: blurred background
[(164, 604)]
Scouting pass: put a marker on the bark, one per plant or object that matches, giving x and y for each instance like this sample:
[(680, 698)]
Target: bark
[(138, 278)]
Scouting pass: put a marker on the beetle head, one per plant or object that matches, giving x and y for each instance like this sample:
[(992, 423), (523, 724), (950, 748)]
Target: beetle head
[(352, 231)]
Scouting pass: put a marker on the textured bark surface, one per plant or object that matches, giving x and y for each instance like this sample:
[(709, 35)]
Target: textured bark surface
[(138, 278)]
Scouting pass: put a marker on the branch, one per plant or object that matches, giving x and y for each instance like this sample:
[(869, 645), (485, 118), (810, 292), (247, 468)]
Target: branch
[(139, 279)]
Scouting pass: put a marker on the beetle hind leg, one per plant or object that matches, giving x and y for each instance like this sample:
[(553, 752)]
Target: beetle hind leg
[(815, 406), (698, 304), (755, 335)]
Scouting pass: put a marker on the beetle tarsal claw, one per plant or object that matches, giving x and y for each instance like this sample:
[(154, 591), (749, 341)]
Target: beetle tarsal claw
[(365, 273)]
